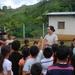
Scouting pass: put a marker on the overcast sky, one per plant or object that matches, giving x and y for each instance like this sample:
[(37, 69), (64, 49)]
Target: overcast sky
[(17, 3)]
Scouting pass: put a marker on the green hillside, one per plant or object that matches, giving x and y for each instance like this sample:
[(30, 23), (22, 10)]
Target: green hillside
[(32, 16)]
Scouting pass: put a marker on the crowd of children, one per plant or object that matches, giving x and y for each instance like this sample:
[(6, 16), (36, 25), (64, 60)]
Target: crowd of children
[(49, 59)]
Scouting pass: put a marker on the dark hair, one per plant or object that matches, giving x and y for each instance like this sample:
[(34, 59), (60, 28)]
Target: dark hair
[(35, 42), (62, 52), (47, 52), (0, 43), (54, 47), (34, 51), (1, 63), (25, 52), (73, 39), (52, 28), (9, 35), (16, 45), (5, 50), (61, 42), (73, 62), (26, 41), (36, 69)]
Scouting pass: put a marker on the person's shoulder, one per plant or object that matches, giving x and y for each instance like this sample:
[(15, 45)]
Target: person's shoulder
[(46, 35), (57, 66), (45, 60), (7, 61), (55, 35)]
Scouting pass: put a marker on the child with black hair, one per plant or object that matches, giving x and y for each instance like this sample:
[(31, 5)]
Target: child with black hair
[(7, 65), (61, 42), (2, 43), (54, 47), (1, 63), (26, 43), (47, 60), (36, 69), (36, 44), (26, 55), (27, 66), (15, 57), (9, 40), (61, 67), (72, 44), (73, 62)]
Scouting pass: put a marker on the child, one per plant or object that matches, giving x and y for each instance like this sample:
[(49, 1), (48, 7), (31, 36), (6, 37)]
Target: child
[(15, 57), (61, 42), (9, 40), (61, 67), (36, 44), (73, 62), (54, 47), (27, 66), (7, 65), (1, 63), (36, 69), (26, 56), (74, 49), (2, 43), (26, 43), (72, 44), (48, 60)]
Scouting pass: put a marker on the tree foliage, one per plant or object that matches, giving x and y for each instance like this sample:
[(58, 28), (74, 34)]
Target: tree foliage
[(32, 16)]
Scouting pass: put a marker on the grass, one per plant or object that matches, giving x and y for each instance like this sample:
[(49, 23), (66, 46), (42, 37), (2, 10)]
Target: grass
[(67, 43)]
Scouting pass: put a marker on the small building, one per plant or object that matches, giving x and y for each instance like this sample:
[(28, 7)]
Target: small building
[(64, 24)]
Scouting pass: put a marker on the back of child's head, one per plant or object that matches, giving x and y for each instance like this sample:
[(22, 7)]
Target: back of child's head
[(61, 42), (26, 41), (34, 50), (47, 52), (25, 52), (35, 42), (1, 63), (62, 52), (73, 39), (16, 45), (5, 50), (0, 43), (9, 35), (54, 47), (36, 69)]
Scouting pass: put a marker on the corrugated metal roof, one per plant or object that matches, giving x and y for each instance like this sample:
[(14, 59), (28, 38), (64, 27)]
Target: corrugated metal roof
[(60, 13)]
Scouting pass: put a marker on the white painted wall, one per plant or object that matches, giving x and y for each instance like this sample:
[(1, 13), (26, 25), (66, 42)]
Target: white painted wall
[(69, 24)]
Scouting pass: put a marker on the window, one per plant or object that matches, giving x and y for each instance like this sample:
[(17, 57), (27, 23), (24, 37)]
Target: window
[(61, 25)]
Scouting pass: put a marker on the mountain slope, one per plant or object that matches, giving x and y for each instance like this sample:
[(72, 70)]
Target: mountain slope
[(32, 16)]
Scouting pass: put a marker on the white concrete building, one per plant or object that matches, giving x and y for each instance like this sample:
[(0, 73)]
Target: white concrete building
[(63, 22)]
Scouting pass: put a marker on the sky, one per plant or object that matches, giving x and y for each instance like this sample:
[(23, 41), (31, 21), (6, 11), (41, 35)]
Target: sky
[(17, 3)]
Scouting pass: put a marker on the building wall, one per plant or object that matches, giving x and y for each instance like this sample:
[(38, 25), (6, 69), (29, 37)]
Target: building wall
[(69, 24)]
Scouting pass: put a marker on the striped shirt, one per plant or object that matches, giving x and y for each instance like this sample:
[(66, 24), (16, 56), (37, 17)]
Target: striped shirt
[(60, 69), (46, 62)]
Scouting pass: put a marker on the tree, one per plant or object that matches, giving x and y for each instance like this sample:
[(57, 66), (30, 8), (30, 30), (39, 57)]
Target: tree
[(4, 8)]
